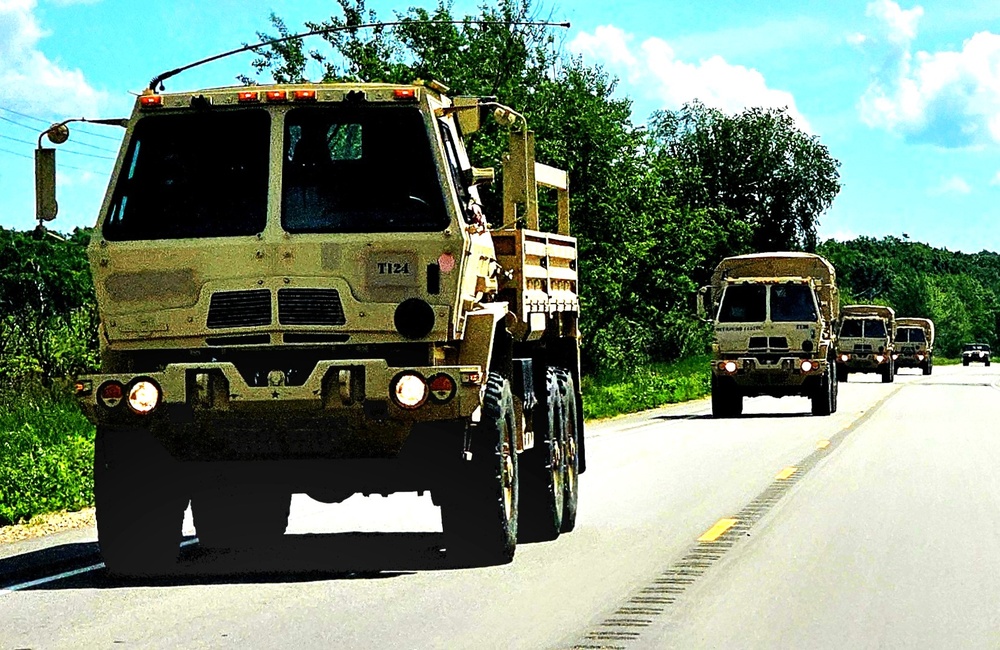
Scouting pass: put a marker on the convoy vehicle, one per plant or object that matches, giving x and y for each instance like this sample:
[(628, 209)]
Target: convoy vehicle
[(774, 316), (299, 293), (865, 341), (975, 353), (914, 344)]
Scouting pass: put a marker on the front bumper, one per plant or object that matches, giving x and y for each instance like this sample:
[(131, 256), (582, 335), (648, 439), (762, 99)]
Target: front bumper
[(863, 362), (342, 410), (788, 372)]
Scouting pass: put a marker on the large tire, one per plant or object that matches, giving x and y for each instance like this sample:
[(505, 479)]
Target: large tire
[(542, 470), (842, 373), (965, 362), (928, 367), (823, 397), (571, 440), (888, 374), (139, 502), (727, 402), (228, 514), (479, 511)]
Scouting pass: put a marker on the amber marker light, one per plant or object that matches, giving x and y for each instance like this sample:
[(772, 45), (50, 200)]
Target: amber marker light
[(143, 397), (304, 95), (248, 96), (277, 96), (405, 93), (150, 101)]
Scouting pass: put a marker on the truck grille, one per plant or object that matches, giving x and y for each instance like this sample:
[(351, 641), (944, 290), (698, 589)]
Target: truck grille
[(862, 348), (310, 307), (240, 309), (764, 342)]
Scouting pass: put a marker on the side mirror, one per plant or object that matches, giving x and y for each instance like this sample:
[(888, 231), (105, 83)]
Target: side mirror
[(703, 293), (46, 206), (476, 176)]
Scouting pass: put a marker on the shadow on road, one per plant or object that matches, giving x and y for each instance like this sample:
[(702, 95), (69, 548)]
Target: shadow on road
[(296, 558)]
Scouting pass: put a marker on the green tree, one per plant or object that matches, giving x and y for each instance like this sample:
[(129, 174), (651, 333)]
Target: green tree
[(757, 165)]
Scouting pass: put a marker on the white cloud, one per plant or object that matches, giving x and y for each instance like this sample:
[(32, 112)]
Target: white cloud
[(29, 81), (901, 24), (951, 185), (655, 66), (996, 179), (951, 99)]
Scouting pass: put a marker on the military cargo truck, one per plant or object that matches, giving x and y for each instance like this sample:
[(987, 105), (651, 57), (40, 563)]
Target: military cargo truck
[(914, 344), (865, 341), (774, 316), (299, 292)]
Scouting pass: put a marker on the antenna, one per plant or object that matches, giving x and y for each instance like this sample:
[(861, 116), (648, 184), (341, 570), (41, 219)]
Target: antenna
[(163, 76)]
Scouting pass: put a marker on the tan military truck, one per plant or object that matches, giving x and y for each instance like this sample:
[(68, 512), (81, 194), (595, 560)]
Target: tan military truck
[(914, 344), (774, 316), (865, 341), (299, 293)]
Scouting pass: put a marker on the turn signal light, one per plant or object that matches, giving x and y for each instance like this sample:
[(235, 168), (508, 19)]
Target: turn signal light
[(442, 388), (110, 394)]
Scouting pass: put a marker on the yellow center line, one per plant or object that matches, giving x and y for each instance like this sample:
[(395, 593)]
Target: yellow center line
[(822, 444), (786, 473), (716, 531)]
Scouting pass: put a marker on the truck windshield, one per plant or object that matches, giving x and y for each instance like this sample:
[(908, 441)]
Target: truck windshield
[(852, 328), (743, 303), (359, 169), (192, 175), (910, 335), (874, 328), (792, 303)]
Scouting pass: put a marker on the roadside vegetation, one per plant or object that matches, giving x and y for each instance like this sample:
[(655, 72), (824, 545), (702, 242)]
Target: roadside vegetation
[(655, 206)]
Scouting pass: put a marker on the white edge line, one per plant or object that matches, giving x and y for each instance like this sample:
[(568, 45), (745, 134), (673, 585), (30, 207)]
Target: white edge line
[(70, 574)]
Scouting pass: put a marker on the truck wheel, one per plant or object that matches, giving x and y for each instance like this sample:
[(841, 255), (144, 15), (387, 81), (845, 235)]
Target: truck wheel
[(479, 515), (927, 367), (726, 399), (842, 373), (887, 373), (822, 397), (836, 392), (233, 515), (139, 503), (571, 440), (965, 362), (542, 470)]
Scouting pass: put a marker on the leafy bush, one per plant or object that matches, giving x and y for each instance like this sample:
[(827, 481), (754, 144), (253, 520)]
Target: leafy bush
[(647, 387), (46, 454)]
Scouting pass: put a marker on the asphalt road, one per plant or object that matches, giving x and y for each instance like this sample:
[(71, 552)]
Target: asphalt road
[(877, 527)]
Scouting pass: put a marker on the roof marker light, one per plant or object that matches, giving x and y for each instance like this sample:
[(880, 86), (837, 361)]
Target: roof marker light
[(405, 93), (277, 96), (304, 95), (248, 96), (148, 101)]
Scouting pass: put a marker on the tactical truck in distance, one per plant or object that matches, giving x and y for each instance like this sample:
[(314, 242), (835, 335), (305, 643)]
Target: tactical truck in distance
[(299, 293), (865, 341), (975, 353), (914, 344), (774, 316)]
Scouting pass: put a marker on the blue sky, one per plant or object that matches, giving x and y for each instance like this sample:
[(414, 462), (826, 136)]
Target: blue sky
[(906, 95)]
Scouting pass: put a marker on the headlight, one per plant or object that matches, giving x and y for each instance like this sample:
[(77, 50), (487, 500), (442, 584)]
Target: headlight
[(920, 357), (895, 356), (807, 366), (730, 366), (409, 390), (880, 358), (143, 397), (845, 358)]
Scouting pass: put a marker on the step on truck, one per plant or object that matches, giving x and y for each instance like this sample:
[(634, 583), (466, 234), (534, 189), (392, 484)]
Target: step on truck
[(774, 317), (915, 344), (299, 293), (865, 342)]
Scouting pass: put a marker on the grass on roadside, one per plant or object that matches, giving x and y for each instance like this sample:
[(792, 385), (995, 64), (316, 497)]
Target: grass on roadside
[(612, 394), (46, 454)]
